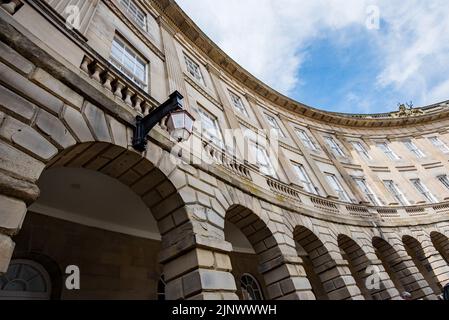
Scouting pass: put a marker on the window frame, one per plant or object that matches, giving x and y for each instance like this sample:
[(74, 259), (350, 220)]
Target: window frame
[(119, 62), (194, 69), (272, 121), (237, 103), (439, 144), (134, 15), (444, 179), (25, 295), (216, 140), (253, 281), (270, 171), (423, 190), (365, 188), (340, 191), (307, 183), (396, 192), (361, 150), (386, 149), (335, 147), (413, 148), (306, 139)]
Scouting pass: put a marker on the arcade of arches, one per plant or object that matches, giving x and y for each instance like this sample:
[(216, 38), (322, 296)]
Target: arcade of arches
[(166, 223)]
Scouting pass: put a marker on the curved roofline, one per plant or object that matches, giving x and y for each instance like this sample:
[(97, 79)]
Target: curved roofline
[(173, 12)]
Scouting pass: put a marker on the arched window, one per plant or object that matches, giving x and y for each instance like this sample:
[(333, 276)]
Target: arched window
[(25, 280), (250, 288)]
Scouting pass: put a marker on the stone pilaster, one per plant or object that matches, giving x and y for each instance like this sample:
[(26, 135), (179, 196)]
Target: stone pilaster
[(200, 270), (18, 173), (174, 70), (286, 279), (432, 260), (338, 281)]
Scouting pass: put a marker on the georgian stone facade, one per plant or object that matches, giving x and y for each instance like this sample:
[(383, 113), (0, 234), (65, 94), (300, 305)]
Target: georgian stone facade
[(192, 220)]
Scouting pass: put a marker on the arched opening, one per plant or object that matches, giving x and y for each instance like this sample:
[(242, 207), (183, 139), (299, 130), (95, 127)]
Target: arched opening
[(358, 264), (416, 252), (100, 209), (25, 280), (441, 244), (402, 275), (250, 287), (316, 260), (250, 238)]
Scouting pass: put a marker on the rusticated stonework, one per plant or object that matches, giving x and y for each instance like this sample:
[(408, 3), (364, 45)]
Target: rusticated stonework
[(220, 226)]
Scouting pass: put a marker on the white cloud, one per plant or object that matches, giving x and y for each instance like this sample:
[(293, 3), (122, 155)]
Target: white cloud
[(270, 38)]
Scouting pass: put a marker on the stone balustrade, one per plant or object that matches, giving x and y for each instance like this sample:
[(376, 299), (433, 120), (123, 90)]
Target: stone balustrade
[(124, 90), (11, 6)]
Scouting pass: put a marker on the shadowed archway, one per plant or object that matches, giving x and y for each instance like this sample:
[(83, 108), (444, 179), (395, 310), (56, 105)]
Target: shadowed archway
[(358, 264), (441, 244), (402, 271), (416, 251)]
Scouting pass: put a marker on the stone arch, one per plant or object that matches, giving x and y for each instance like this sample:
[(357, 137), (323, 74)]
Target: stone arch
[(282, 273), (144, 177), (328, 277), (401, 270), (93, 140), (441, 244), (358, 263), (416, 251)]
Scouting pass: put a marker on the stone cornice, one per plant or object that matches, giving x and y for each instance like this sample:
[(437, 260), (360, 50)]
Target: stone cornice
[(222, 61)]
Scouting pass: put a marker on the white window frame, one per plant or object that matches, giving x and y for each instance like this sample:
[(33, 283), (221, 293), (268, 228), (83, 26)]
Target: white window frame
[(335, 147), (194, 69), (423, 190), (338, 187), (237, 102), (135, 12), (393, 189), (274, 125), (265, 165), (438, 143), (213, 133), (305, 179), (361, 150), (413, 148), (385, 147), (306, 140), (120, 51), (444, 179), (366, 189)]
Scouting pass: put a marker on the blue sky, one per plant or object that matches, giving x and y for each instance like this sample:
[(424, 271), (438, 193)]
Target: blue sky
[(329, 54)]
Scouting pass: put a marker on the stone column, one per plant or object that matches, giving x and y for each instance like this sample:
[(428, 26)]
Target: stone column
[(286, 279), (18, 173), (338, 281), (433, 260), (409, 274), (196, 267), (386, 289)]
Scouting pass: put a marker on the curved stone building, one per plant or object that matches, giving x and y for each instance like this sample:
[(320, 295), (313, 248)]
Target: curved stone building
[(268, 199)]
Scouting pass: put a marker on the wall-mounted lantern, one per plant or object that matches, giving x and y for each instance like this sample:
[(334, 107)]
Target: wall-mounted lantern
[(179, 122)]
